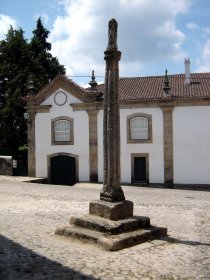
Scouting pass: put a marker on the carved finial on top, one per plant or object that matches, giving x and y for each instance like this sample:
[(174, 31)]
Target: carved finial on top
[(111, 52), (31, 88), (93, 83), (166, 87), (112, 35)]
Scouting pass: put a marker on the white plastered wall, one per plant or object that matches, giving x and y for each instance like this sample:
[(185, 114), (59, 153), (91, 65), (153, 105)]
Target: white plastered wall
[(43, 136), (154, 149), (191, 145)]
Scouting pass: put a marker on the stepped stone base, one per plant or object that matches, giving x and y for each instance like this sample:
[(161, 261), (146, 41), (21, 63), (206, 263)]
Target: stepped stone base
[(112, 226)]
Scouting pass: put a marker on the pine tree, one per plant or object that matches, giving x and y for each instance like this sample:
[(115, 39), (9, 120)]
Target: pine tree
[(44, 67), (20, 62), (14, 68)]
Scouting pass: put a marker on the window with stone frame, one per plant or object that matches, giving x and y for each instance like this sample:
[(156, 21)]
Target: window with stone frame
[(62, 131), (139, 128)]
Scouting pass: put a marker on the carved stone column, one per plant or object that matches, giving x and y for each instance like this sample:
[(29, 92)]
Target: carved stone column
[(112, 190), (93, 145), (168, 145)]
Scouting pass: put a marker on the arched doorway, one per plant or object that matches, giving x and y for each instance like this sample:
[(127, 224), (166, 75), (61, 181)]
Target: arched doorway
[(62, 169)]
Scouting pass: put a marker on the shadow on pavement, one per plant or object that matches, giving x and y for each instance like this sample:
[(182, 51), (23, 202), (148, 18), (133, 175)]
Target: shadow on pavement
[(186, 187), (18, 262), (184, 242)]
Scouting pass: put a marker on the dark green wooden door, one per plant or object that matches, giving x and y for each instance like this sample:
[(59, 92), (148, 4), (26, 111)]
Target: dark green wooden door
[(140, 170), (63, 170)]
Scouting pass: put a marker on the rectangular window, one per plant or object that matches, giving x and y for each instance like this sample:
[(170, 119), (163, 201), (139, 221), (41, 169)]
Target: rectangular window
[(62, 130), (139, 128)]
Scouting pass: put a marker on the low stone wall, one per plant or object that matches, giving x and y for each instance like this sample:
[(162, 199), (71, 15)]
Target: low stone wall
[(6, 165)]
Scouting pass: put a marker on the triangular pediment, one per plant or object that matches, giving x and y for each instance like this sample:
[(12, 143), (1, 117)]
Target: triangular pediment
[(62, 82)]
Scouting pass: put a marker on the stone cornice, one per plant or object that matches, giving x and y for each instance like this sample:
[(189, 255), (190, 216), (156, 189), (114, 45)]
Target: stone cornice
[(165, 102), (132, 104), (87, 106), (38, 108), (43, 108)]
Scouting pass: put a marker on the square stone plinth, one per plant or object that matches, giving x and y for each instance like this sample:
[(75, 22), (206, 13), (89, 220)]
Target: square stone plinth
[(113, 242), (111, 210)]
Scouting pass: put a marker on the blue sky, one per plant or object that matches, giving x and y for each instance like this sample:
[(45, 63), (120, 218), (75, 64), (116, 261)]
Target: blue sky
[(152, 34)]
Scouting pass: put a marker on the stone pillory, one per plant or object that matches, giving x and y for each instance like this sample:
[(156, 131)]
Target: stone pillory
[(110, 222)]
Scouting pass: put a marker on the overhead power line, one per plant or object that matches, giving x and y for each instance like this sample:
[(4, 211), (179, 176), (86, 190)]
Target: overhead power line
[(69, 76)]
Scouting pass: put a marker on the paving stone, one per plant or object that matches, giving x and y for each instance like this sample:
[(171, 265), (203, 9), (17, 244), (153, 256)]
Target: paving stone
[(29, 249)]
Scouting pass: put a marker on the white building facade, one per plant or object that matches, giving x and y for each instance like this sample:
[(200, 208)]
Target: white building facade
[(165, 135)]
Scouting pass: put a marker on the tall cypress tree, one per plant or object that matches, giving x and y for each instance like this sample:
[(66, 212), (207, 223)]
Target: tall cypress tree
[(19, 62), (44, 67), (14, 68)]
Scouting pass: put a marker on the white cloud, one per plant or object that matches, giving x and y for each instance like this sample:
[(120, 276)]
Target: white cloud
[(204, 60), (178, 6), (206, 30), (192, 26), (146, 33), (5, 23)]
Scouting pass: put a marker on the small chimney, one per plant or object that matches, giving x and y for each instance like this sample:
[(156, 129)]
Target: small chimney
[(187, 70)]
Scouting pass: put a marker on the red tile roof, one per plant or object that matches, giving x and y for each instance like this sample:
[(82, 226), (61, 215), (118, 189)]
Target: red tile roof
[(151, 88)]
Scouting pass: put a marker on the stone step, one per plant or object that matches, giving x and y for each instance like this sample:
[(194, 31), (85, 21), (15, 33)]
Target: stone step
[(113, 242), (79, 233), (125, 240), (107, 226)]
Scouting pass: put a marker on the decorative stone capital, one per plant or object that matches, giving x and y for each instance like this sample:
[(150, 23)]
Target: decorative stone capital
[(112, 55), (92, 112), (167, 109)]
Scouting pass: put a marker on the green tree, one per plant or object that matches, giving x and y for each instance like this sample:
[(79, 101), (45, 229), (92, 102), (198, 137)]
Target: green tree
[(19, 62), (44, 67), (14, 67)]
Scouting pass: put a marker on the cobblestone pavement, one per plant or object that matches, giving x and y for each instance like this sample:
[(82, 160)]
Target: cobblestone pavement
[(30, 212)]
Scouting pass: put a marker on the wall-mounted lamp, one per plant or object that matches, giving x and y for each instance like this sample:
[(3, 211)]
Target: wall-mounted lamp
[(27, 117)]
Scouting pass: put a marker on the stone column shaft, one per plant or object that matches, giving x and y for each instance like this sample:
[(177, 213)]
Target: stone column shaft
[(111, 133), (31, 144), (93, 145), (112, 190), (168, 145)]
